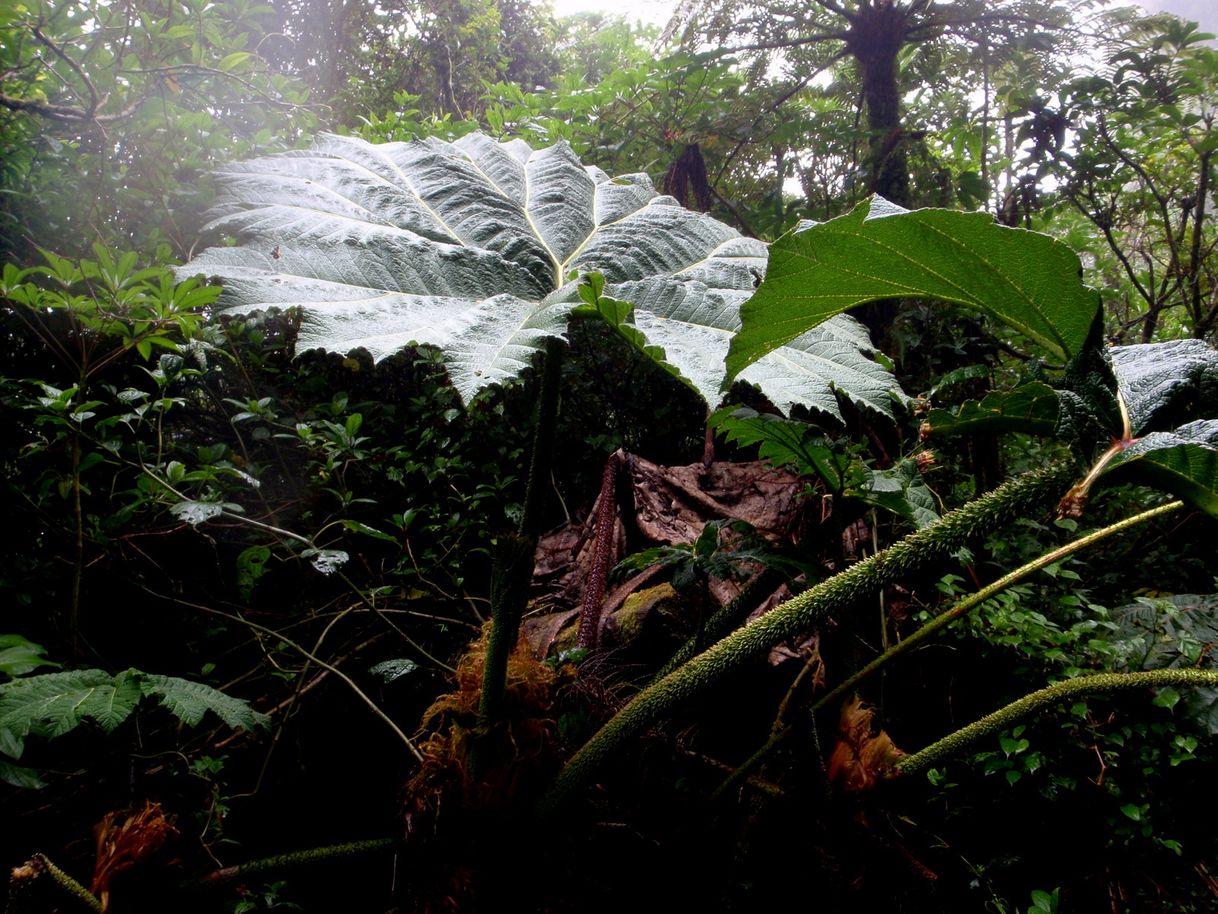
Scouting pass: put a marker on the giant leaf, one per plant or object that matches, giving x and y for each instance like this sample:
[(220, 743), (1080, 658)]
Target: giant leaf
[(1183, 462), (1031, 408), (877, 251), (689, 338), (1166, 384), (472, 247)]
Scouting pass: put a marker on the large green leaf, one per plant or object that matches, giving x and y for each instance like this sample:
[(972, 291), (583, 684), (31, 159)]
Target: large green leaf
[(52, 704), (1031, 408), (472, 247), (878, 250), (19, 656), (190, 701), (1183, 462), (1166, 384), (901, 490)]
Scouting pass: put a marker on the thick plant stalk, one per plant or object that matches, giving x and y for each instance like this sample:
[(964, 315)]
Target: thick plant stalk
[(971, 602), (961, 740), (514, 553), (78, 554), (510, 580), (933, 543), (332, 854), (543, 439), (602, 553), (962, 608), (37, 868), (726, 619)]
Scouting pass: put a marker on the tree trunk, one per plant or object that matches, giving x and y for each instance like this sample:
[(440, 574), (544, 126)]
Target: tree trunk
[(877, 33)]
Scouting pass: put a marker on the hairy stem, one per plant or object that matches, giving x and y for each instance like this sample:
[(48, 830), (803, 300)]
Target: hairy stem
[(723, 621), (509, 594), (514, 553), (779, 733), (543, 438), (331, 854), (78, 550), (971, 602), (961, 740), (594, 591), (23, 878), (933, 543)]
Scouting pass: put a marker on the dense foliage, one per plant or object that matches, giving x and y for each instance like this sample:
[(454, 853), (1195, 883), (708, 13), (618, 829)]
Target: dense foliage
[(295, 294)]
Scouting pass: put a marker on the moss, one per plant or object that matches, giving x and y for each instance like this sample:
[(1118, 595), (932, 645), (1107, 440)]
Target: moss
[(633, 615)]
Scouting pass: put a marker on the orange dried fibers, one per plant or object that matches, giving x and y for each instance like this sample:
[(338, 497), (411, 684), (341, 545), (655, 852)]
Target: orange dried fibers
[(126, 843), (860, 760), (515, 750)]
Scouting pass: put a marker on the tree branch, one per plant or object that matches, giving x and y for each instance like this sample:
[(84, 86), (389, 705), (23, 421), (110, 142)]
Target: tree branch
[(790, 42), (95, 100)]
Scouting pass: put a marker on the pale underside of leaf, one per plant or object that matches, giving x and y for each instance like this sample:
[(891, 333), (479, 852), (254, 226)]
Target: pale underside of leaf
[(694, 326), (812, 368), (1183, 462), (472, 247)]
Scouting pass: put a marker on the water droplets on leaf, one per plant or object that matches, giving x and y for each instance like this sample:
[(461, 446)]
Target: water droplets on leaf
[(327, 561), (390, 670), (196, 512)]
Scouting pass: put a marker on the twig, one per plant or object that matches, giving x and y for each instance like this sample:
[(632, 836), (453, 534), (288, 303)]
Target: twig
[(311, 657), (95, 100)]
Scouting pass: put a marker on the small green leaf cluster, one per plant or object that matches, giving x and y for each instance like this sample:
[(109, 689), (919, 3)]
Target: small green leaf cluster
[(833, 463), (724, 550)]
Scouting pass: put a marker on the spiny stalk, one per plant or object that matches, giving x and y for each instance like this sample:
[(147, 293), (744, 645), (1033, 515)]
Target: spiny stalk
[(1002, 719), (839, 593)]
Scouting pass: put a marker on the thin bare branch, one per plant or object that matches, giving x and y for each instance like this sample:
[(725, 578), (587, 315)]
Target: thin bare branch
[(95, 99), (308, 655), (789, 42), (836, 9)]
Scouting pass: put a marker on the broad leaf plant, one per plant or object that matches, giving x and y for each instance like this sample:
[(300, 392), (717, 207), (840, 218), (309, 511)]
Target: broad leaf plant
[(486, 250)]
